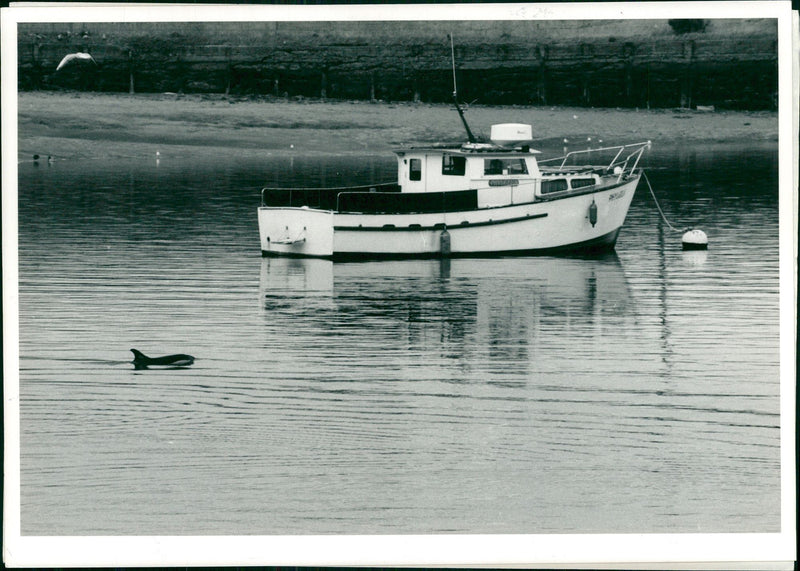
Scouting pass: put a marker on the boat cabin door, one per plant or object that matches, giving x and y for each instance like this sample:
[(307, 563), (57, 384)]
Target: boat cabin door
[(410, 173)]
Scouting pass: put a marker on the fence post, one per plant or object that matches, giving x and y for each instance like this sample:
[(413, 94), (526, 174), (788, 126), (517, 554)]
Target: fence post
[(372, 86), (130, 70), (687, 74), (37, 66), (228, 71), (541, 82)]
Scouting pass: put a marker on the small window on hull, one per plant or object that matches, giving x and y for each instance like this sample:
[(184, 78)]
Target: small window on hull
[(454, 166), (556, 185), (415, 169), (581, 182)]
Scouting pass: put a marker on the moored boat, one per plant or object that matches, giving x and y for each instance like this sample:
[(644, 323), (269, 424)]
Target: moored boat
[(473, 199)]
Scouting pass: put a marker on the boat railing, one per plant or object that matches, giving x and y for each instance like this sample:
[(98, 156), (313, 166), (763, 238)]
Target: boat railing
[(325, 197), (624, 162)]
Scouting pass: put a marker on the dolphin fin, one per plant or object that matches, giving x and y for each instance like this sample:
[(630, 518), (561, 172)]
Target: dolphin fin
[(137, 355)]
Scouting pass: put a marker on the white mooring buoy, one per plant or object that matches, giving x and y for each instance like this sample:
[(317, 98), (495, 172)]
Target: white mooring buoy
[(695, 240)]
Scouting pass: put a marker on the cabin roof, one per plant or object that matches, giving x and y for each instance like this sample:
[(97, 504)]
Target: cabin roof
[(469, 150)]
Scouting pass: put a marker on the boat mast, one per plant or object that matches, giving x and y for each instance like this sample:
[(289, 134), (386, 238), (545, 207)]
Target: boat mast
[(470, 136)]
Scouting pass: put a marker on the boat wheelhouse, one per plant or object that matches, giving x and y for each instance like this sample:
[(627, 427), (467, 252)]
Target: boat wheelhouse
[(474, 199)]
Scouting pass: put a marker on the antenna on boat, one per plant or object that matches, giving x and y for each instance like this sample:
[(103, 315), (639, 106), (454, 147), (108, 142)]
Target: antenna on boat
[(470, 136)]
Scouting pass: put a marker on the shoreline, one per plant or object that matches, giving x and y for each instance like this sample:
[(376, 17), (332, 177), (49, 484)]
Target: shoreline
[(76, 125)]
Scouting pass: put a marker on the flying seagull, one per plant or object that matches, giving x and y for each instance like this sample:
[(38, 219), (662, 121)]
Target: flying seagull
[(79, 55)]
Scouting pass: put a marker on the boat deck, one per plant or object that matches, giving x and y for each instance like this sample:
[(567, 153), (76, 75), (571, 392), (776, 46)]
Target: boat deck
[(321, 198)]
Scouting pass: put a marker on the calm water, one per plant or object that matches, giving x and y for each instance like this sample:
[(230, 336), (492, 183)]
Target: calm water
[(637, 391)]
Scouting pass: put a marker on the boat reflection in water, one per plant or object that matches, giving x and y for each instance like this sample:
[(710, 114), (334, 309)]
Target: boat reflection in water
[(441, 312)]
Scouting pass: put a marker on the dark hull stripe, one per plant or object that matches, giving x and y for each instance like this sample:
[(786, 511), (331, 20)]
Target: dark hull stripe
[(601, 244), (440, 226)]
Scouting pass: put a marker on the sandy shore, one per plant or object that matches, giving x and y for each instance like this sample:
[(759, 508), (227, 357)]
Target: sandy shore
[(91, 125)]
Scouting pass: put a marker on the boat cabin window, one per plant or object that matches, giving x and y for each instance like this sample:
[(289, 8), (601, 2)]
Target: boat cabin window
[(454, 165), (415, 169), (556, 185), (581, 182), (504, 166)]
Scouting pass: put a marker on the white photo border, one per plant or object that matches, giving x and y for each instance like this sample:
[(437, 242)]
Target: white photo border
[(644, 551)]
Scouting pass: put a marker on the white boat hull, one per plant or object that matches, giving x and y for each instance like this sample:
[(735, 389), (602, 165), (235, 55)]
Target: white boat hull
[(536, 227)]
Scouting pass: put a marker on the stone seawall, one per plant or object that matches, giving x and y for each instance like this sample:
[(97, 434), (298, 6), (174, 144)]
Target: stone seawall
[(602, 64)]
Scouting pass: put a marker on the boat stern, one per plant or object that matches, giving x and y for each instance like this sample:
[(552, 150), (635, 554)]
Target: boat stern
[(289, 231)]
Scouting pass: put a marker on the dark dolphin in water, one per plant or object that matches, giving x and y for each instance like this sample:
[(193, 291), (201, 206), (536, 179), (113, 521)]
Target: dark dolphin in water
[(142, 361)]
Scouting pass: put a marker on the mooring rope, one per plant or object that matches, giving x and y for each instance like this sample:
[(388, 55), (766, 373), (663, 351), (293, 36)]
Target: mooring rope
[(658, 205)]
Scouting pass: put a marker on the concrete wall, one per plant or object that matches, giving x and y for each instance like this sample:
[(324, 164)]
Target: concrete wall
[(596, 63)]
